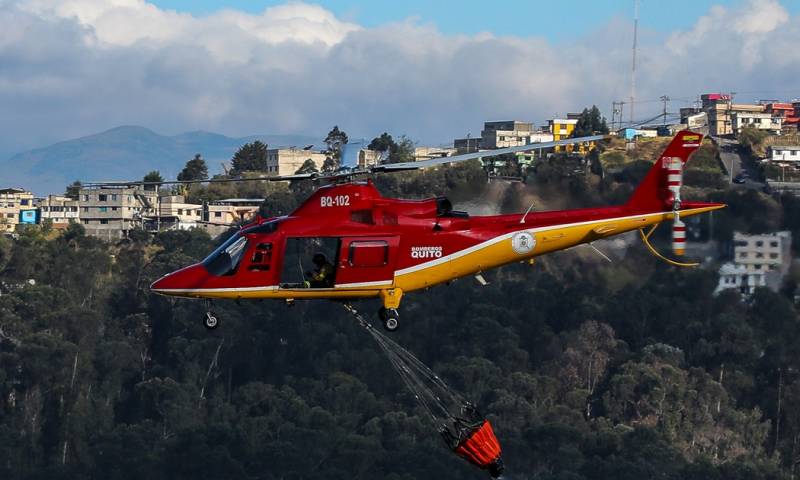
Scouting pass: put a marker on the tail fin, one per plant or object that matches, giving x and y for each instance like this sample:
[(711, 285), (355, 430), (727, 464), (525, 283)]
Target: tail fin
[(655, 192)]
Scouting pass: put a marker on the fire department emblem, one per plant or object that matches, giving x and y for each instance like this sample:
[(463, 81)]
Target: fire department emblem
[(523, 242)]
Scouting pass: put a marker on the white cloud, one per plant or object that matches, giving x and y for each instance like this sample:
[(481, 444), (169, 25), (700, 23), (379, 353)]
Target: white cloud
[(72, 67)]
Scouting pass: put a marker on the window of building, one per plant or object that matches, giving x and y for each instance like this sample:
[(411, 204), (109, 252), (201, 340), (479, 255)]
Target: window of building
[(742, 254), (217, 214), (86, 198), (113, 209), (23, 202), (180, 211), (102, 198), (759, 243), (103, 209), (773, 255), (104, 222), (85, 209), (113, 197), (85, 222), (10, 215), (773, 244), (759, 255)]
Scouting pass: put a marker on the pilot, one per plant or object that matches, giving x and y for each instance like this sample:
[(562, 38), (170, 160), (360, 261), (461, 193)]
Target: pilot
[(322, 276)]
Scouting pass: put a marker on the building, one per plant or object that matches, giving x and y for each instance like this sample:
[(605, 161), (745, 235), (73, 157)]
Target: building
[(60, 210), (467, 145), (697, 121), (767, 252), (758, 261), (759, 121), (287, 161), (561, 129), (111, 212), (720, 108), (368, 158), (686, 112), (220, 215), (173, 213), (428, 153), (509, 133), (12, 201), (736, 277), (633, 133), (787, 154)]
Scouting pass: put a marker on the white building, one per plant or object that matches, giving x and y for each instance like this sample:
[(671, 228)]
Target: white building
[(736, 277), (758, 261), (286, 161), (368, 158), (174, 213), (759, 121), (60, 210), (428, 153), (783, 154)]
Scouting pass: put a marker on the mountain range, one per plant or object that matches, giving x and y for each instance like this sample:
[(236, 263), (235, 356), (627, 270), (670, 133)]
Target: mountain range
[(126, 153)]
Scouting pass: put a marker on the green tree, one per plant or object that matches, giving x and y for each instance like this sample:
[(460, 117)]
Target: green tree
[(590, 122), (73, 190), (383, 143), (153, 176), (195, 169), (751, 138), (251, 157), (335, 140)]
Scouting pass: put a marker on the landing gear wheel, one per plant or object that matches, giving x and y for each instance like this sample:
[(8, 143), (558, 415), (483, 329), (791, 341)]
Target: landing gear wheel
[(210, 322), (391, 319)]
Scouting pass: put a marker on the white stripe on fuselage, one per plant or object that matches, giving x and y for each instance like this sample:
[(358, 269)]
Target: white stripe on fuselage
[(506, 236)]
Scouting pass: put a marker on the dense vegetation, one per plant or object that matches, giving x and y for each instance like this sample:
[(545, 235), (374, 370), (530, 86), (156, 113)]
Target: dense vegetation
[(588, 370)]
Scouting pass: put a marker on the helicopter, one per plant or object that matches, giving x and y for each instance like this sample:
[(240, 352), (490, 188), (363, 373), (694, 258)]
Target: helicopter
[(366, 245)]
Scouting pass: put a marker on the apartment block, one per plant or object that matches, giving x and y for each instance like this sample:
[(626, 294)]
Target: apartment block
[(758, 261), (759, 121), (60, 210), (110, 213), (12, 201), (509, 133), (287, 161)]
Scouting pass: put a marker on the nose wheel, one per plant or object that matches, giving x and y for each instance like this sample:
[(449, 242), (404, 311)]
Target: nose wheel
[(390, 318), (210, 321)]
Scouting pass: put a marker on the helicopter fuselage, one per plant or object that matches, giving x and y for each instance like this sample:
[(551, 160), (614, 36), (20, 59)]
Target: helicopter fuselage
[(382, 247)]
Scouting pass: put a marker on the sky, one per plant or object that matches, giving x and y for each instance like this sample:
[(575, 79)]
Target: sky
[(430, 70)]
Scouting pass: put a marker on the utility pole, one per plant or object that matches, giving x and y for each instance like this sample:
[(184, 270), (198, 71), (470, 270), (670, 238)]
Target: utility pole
[(633, 64), (664, 99), (616, 115), (730, 114)]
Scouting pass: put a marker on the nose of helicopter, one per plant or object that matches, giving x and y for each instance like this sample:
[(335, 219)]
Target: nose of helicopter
[(181, 282)]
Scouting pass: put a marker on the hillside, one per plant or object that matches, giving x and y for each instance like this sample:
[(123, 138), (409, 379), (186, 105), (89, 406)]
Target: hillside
[(126, 152), (588, 369)]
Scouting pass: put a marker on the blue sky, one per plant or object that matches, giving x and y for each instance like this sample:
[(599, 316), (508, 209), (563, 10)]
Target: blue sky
[(78, 67), (557, 21)]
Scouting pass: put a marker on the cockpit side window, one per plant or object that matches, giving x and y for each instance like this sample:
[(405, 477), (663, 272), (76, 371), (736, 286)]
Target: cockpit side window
[(225, 259), (262, 257)]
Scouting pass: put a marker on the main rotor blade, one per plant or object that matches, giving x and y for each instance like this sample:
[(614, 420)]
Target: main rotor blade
[(300, 176), (486, 153)]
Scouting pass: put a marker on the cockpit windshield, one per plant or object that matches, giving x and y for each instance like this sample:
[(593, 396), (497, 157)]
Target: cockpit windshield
[(225, 259)]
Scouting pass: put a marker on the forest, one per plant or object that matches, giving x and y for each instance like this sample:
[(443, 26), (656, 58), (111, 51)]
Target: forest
[(587, 369)]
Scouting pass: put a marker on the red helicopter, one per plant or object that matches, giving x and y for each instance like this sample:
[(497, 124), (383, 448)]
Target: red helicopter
[(347, 241)]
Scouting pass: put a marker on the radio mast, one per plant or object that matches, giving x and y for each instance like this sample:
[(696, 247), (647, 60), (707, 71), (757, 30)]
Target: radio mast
[(633, 64)]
